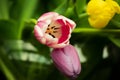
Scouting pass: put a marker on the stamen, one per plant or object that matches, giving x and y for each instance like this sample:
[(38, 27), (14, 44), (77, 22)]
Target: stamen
[(50, 34), (53, 36), (52, 27), (56, 28), (55, 31)]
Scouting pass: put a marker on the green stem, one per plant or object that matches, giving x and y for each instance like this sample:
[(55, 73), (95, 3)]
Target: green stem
[(33, 21), (6, 71), (83, 15), (90, 30)]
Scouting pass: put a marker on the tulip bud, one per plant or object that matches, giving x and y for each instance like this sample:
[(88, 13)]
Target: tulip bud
[(67, 61)]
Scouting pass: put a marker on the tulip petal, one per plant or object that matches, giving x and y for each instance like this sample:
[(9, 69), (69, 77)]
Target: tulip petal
[(74, 58), (48, 16), (62, 61), (61, 45), (65, 29), (38, 32), (50, 40), (42, 25), (68, 21)]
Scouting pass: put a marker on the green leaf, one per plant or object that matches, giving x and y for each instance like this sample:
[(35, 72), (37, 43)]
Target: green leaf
[(43, 49), (93, 48), (80, 6), (118, 1), (61, 9), (95, 71), (6, 71), (4, 9), (39, 71), (26, 12), (101, 73), (8, 30), (114, 54), (116, 20), (8, 66), (82, 21), (28, 8), (115, 40)]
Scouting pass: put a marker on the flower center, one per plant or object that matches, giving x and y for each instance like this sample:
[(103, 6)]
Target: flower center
[(53, 30)]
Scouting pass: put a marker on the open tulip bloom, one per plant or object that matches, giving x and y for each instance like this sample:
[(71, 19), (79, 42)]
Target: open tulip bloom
[(67, 61), (54, 30)]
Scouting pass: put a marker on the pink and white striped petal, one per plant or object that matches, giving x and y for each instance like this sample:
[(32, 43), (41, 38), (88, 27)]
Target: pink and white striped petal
[(54, 30)]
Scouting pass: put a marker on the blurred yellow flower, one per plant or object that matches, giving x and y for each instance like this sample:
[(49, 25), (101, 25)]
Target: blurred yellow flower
[(101, 12)]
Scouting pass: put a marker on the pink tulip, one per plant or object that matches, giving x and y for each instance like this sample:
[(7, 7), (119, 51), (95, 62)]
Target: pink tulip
[(54, 30), (67, 61)]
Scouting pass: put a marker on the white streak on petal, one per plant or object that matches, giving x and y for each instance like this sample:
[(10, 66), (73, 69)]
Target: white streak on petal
[(42, 25), (48, 37), (52, 42), (43, 40), (59, 45), (38, 32)]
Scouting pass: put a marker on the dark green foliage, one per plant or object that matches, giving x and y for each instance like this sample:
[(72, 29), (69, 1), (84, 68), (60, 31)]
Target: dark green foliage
[(22, 57)]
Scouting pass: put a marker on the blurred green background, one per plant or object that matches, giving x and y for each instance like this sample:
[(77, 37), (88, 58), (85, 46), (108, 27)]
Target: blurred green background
[(22, 57)]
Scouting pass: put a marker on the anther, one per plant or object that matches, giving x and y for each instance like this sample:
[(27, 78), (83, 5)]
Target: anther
[(52, 27), (50, 34), (55, 31), (53, 36), (56, 28)]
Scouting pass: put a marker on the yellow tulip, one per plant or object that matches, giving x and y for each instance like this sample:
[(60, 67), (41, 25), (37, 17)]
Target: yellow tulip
[(101, 12)]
